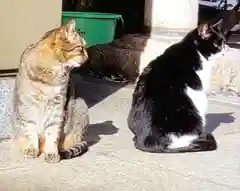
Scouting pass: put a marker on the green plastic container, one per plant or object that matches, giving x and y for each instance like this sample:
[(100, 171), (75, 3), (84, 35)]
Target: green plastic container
[(96, 28)]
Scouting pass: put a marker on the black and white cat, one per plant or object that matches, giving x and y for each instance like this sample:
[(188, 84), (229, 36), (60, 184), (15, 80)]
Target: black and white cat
[(169, 102)]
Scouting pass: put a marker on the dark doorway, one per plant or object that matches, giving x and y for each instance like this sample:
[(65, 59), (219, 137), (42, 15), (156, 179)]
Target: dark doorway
[(132, 12)]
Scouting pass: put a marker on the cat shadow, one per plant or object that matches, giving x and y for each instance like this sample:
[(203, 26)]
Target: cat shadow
[(93, 92), (96, 130), (214, 120)]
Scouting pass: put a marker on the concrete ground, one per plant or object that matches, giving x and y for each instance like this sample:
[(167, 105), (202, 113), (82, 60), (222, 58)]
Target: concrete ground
[(113, 164)]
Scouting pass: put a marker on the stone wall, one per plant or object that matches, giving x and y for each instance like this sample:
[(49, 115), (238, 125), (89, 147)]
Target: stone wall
[(171, 14)]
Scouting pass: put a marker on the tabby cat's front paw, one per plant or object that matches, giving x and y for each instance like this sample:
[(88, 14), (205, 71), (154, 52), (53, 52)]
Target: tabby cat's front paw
[(31, 152), (52, 157)]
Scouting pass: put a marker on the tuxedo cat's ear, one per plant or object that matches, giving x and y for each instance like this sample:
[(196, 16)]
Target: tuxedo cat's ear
[(204, 31), (218, 25)]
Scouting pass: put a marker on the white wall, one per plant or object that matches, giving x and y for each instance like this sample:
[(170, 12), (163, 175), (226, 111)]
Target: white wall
[(182, 14), (22, 23)]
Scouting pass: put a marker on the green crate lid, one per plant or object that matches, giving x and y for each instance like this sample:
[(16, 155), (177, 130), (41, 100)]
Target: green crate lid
[(92, 15)]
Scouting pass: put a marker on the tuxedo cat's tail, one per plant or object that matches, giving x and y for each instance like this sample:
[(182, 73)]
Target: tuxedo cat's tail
[(168, 144), (75, 151)]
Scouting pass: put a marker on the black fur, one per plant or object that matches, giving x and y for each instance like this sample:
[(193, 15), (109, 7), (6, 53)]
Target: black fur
[(161, 107)]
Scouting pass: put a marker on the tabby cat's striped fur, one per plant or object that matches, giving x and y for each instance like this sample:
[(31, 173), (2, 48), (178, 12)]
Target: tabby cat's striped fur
[(46, 116)]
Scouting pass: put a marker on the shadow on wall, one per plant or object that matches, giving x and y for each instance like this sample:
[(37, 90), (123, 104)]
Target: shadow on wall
[(117, 61), (215, 119)]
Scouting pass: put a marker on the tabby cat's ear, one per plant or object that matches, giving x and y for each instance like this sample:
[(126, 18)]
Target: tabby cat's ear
[(70, 27), (204, 31)]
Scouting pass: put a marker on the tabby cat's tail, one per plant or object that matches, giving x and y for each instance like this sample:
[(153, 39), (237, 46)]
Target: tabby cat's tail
[(72, 152), (75, 151)]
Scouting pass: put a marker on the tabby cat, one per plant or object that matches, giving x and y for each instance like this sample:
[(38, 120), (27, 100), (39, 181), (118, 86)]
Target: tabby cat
[(169, 102), (47, 118)]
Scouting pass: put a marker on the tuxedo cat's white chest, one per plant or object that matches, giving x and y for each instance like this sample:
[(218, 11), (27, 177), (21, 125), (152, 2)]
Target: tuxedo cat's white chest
[(199, 97), (205, 73)]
